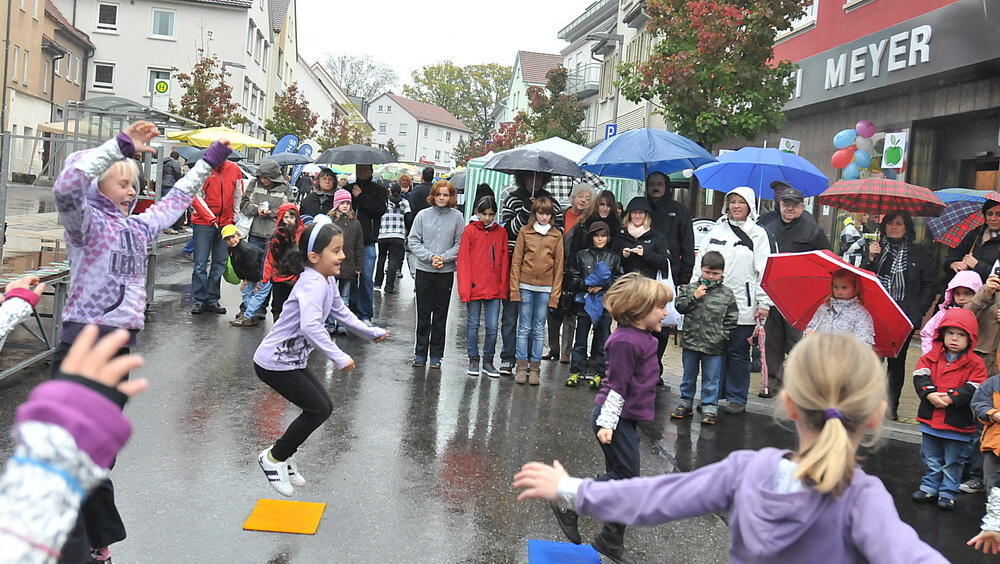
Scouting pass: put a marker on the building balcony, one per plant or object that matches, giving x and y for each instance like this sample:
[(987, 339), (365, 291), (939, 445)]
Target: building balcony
[(584, 81), (633, 13), (595, 15)]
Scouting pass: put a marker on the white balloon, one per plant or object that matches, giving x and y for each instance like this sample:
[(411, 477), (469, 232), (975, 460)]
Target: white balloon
[(865, 144)]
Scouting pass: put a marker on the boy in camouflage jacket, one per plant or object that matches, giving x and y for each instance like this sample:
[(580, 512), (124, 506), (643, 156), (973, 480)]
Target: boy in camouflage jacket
[(710, 314)]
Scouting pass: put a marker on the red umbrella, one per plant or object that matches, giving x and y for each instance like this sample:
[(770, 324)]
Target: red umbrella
[(799, 283), (881, 196)]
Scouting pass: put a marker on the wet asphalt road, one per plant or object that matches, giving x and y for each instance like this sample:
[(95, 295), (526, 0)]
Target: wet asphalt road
[(415, 465)]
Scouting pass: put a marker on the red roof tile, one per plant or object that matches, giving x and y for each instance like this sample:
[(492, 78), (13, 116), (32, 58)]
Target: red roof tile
[(429, 113), (534, 66)]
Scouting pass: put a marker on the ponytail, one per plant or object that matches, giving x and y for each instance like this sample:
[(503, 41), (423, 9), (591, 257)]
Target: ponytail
[(835, 382)]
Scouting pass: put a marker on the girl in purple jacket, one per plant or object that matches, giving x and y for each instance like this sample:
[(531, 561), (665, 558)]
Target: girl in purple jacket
[(811, 505), (280, 360)]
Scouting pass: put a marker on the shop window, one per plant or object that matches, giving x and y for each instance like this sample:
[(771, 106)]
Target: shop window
[(107, 18), (104, 76)]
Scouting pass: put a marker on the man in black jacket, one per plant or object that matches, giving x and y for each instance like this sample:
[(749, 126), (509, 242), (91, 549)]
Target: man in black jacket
[(793, 230), (371, 200), (672, 220), (421, 190)]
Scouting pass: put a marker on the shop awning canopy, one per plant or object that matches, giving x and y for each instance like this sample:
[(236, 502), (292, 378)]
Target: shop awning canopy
[(205, 137)]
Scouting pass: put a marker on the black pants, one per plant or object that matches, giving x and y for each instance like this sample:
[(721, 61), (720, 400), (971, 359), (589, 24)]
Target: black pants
[(433, 296), (302, 389), (781, 337), (621, 461), (279, 294), (391, 250), (896, 370), (662, 340), (99, 523)]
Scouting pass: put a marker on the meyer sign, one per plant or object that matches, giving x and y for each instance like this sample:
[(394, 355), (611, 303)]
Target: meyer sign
[(905, 49), (949, 38)]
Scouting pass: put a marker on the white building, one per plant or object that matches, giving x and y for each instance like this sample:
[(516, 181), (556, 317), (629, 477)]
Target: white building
[(583, 68), (140, 42), (423, 133), (529, 70), (324, 95)]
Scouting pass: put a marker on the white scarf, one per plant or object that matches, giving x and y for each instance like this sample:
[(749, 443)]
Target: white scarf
[(636, 230), (542, 229)]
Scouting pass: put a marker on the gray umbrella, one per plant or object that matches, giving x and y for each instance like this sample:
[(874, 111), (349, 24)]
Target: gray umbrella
[(458, 180), (188, 153), (355, 154), (532, 160), (289, 159)]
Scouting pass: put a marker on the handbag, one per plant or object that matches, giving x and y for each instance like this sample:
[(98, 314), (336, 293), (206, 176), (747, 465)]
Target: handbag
[(673, 318), (230, 273)]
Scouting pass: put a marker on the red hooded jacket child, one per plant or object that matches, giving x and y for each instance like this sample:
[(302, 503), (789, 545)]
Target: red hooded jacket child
[(959, 379), (282, 240), (483, 262)]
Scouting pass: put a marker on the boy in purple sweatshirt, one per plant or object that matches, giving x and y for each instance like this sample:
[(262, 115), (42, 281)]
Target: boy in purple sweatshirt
[(627, 396), (95, 194), (811, 505)]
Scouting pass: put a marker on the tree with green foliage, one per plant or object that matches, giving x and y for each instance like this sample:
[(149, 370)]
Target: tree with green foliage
[(469, 93), (711, 71), (462, 151), (390, 146), (553, 112), (292, 115), (207, 97)]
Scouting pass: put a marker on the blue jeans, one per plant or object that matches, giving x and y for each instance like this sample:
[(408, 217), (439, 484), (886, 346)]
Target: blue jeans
[(344, 286), (254, 297), (943, 461), (205, 280), (735, 382), (597, 360), (531, 325), (710, 366), (189, 246), (508, 330), (366, 286), (490, 310)]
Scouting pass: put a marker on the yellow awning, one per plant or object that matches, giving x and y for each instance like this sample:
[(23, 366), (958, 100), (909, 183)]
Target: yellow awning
[(205, 137)]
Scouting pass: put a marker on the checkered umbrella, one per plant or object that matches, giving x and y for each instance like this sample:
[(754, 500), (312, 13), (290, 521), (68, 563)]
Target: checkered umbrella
[(959, 218), (880, 196)]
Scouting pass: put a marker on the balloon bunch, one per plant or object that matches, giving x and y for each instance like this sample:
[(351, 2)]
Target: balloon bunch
[(854, 149)]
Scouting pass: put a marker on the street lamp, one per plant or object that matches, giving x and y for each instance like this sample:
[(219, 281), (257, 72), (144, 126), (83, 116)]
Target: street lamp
[(232, 64)]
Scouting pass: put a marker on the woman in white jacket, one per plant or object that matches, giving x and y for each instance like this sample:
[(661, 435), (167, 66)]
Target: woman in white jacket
[(745, 246)]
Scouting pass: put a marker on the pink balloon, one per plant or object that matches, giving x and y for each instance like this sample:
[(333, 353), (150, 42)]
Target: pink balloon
[(865, 128), (843, 157)]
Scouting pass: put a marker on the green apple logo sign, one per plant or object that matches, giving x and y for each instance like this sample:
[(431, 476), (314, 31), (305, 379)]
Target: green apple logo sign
[(893, 154)]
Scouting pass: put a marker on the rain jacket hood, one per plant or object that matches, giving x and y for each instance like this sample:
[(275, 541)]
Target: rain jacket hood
[(965, 279), (961, 319), (747, 194), (285, 208)]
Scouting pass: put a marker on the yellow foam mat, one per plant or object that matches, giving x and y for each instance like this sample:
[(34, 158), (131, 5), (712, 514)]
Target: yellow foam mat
[(280, 516)]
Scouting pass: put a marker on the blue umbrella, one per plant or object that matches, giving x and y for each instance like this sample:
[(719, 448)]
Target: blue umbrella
[(638, 153), (758, 168), (949, 195), (593, 304)]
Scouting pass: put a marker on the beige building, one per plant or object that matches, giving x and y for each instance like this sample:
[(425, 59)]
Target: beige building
[(45, 67)]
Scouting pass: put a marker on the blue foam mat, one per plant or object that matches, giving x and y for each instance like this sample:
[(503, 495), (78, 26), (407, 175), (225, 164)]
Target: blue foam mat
[(551, 552)]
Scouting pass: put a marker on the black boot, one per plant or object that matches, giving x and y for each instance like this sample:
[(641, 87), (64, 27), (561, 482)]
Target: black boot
[(568, 520), (611, 543)]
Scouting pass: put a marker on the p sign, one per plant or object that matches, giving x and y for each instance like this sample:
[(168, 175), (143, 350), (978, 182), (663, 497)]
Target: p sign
[(610, 130)]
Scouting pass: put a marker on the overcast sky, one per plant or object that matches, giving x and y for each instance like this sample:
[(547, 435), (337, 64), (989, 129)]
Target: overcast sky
[(407, 34)]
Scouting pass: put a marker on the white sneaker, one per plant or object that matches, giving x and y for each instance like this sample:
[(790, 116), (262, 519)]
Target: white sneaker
[(276, 473), (293, 474)]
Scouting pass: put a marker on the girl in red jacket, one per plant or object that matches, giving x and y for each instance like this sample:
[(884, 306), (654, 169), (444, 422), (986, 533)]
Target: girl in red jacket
[(945, 378), (285, 239), (482, 266)]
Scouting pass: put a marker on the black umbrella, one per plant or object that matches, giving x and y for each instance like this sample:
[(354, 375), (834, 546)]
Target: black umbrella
[(355, 154), (290, 159), (532, 160)]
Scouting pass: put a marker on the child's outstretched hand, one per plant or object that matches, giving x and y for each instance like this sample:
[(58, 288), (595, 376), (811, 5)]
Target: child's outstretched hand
[(349, 366), (988, 542), (383, 337), (94, 361), (25, 282), (540, 481), (141, 133), (604, 435)]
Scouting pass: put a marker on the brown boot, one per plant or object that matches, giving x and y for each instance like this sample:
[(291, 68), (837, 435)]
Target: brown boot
[(521, 372), (535, 373)]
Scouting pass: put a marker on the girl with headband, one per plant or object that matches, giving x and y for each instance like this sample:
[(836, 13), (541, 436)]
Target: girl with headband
[(814, 504), (280, 360)]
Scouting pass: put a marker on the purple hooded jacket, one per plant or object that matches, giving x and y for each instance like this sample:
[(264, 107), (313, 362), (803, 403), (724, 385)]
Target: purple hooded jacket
[(107, 251), (765, 525)]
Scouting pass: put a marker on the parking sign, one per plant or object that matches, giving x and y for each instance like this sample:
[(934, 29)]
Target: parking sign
[(610, 130)]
